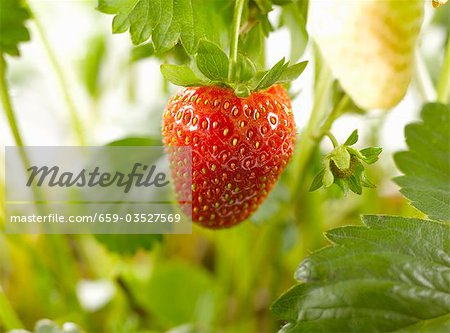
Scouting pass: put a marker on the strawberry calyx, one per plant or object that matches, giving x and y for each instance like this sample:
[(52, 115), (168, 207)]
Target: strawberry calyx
[(344, 166), (212, 67)]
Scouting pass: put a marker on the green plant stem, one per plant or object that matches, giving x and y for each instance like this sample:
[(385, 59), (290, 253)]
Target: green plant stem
[(308, 140), (63, 83), (236, 25), (423, 79), (332, 139), (7, 105), (443, 85), (8, 316)]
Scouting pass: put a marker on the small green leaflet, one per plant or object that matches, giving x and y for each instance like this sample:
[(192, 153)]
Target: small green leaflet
[(168, 22), (280, 73), (212, 61), (426, 165), (181, 75), (390, 274), (13, 15)]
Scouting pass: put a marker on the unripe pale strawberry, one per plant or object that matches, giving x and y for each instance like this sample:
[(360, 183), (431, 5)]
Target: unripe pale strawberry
[(369, 45)]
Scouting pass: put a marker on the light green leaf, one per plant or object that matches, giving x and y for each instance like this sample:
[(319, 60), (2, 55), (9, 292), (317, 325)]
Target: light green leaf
[(328, 177), (370, 155), (178, 293), (128, 244), (426, 165), (341, 157), (92, 64), (390, 274), (352, 139), (271, 76), (168, 22), (292, 72), (246, 69), (180, 75), (212, 61), (13, 15)]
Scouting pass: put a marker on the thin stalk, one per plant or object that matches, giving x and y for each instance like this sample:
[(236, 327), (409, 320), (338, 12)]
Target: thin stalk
[(236, 25), (308, 140), (423, 79), (443, 85), (332, 139), (8, 316), (7, 105), (63, 83)]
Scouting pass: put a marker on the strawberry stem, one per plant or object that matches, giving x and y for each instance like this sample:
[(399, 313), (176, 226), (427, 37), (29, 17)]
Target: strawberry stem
[(237, 16), (7, 105), (63, 82), (332, 139), (443, 86)]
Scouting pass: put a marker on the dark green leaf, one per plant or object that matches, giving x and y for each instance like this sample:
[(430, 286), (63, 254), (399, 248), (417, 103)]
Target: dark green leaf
[(168, 22), (212, 61), (388, 275), (271, 76), (292, 72), (180, 75), (13, 15), (352, 139), (426, 165), (354, 184)]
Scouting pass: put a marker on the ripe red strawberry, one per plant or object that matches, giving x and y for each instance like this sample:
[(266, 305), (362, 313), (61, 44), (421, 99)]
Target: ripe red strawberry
[(240, 146)]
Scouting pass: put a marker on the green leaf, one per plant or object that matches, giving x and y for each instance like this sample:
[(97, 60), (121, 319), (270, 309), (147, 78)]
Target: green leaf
[(390, 274), (318, 181), (271, 76), (354, 184), (341, 158), (212, 61), (245, 68), (352, 139), (168, 22), (426, 164), (292, 72), (136, 141), (92, 65), (13, 15), (370, 155), (128, 244), (328, 177), (178, 293), (180, 75), (142, 51)]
